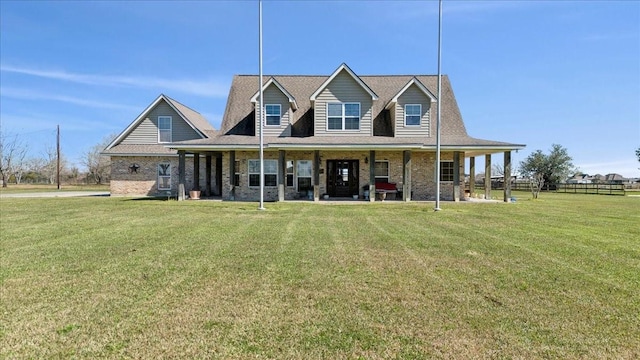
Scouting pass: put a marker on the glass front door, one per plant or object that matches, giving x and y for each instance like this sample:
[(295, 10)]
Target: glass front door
[(342, 178)]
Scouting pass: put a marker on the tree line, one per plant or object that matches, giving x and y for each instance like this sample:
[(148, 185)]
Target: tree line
[(18, 165)]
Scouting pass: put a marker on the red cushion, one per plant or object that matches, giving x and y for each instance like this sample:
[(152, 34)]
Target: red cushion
[(385, 186)]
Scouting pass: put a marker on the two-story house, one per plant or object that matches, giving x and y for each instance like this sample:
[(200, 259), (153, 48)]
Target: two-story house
[(335, 136)]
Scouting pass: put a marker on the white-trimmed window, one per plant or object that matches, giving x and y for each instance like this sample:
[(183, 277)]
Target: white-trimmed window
[(343, 116), (164, 176), (412, 114), (273, 114), (303, 174), (446, 171), (164, 129), (381, 171), (236, 175), (270, 173), (289, 173)]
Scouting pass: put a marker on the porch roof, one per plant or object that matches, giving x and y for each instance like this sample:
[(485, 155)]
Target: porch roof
[(470, 146)]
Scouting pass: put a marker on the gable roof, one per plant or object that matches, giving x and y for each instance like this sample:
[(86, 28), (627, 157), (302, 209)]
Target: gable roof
[(355, 77), (193, 118), (237, 130), (275, 82), (239, 114), (417, 83)]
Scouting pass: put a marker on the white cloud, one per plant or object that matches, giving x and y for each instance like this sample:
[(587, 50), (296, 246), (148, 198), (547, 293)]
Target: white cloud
[(35, 95), (36, 123), (207, 87)]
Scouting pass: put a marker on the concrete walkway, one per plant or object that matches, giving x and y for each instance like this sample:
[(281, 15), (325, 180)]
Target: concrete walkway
[(49, 194)]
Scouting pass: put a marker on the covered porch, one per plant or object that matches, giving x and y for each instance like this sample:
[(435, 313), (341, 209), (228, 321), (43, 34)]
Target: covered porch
[(412, 171)]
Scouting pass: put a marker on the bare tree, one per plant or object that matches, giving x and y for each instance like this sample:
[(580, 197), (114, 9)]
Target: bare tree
[(98, 165), (20, 165), (12, 157), (50, 168), (35, 168), (497, 169)]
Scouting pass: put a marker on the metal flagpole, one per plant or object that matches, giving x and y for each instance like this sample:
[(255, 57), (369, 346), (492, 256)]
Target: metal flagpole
[(437, 208), (58, 157), (260, 110)]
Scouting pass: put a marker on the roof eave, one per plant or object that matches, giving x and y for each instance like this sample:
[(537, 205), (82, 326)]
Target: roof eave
[(134, 123), (184, 117), (272, 80), (420, 85), (346, 68)]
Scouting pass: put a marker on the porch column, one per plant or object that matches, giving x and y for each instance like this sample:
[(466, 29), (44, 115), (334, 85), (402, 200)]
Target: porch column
[(456, 176), (282, 164), (487, 176), (472, 176), (406, 176), (507, 176), (196, 171), (207, 175), (232, 174), (372, 175), (218, 181), (181, 174), (316, 175)]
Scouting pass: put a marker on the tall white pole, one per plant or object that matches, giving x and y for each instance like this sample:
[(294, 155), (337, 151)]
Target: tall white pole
[(437, 208), (58, 157), (260, 110)]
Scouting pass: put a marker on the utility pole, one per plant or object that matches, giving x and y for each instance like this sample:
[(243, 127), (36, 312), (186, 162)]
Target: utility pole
[(58, 157)]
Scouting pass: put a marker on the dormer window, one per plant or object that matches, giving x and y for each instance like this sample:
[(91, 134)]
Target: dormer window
[(412, 114), (164, 129), (343, 116), (273, 114)]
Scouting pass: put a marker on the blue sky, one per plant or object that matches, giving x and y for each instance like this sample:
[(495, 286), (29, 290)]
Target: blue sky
[(532, 72)]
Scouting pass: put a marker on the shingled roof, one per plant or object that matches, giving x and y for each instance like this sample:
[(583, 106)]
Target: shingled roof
[(237, 130), (193, 118), (240, 109)]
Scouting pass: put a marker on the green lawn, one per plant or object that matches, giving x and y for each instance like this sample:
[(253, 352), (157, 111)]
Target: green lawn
[(121, 278)]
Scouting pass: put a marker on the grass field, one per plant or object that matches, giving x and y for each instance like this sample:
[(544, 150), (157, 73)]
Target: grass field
[(122, 278)]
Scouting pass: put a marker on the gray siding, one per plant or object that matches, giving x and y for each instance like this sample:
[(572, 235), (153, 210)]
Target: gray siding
[(413, 95), (273, 95), (147, 131), (343, 88)]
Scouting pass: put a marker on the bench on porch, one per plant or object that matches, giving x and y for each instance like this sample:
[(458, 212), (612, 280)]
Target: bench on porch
[(384, 188)]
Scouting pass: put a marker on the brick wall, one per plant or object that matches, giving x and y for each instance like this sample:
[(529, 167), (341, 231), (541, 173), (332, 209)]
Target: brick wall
[(144, 182), (422, 173)]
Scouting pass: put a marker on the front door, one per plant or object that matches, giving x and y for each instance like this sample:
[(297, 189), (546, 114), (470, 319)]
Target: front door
[(342, 178)]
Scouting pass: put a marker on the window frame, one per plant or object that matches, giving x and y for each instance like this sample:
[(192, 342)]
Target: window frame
[(343, 116), (164, 175), (419, 115), (161, 130), (449, 174), (290, 176), (266, 174), (298, 177), (236, 175), (376, 176), (267, 115)]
